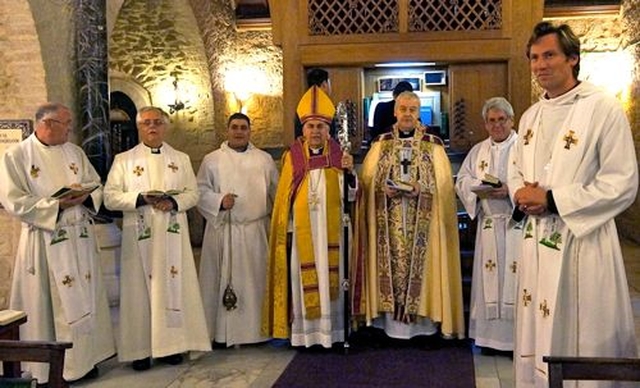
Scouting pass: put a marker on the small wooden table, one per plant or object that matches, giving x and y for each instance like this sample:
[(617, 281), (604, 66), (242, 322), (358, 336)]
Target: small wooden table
[(11, 331)]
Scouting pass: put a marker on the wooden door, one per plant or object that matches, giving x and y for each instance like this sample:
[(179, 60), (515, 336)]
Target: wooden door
[(470, 86)]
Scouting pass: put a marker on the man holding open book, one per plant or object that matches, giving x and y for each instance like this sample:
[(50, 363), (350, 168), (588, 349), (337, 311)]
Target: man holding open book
[(153, 184), (49, 184), (485, 196)]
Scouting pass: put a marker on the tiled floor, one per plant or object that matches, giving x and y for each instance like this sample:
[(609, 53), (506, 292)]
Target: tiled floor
[(260, 365)]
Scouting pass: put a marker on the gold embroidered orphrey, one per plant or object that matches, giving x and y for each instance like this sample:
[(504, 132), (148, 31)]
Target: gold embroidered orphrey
[(68, 281), (528, 136), (544, 308), (35, 171), (138, 170), (526, 298), (569, 139)]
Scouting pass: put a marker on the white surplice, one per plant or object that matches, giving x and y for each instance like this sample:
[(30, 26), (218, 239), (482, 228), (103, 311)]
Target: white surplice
[(253, 177), (573, 296), (57, 279), (161, 310), (329, 328), (495, 260)]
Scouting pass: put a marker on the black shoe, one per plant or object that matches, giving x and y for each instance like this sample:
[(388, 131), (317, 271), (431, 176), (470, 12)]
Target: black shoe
[(142, 364), (174, 359), (92, 374)]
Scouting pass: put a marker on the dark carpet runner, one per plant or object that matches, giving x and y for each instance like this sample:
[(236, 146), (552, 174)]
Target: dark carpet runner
[(451, 366)]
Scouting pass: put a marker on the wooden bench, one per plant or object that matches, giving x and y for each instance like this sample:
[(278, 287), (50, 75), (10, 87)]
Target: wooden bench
[(591, 368), (38, 351)]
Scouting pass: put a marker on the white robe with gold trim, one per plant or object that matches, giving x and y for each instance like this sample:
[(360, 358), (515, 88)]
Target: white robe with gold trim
[(573, 295), (30, 172), (146, 329), (489, 283)]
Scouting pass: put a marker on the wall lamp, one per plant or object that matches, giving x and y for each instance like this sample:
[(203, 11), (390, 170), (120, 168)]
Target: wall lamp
[(178, 104)]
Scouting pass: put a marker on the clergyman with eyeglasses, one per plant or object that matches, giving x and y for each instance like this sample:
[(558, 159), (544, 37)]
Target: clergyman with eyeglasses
[(56, 278), (482, 189), (161, 312)]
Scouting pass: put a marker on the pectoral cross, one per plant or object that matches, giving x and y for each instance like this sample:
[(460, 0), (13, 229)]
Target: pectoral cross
[(173, 167), (405, 163), (35, 171), (67, 281), (569, 139), (138, 170), (173, 271), (490, 265), (73, 168), (528, 136), (545, 309), (526, 298), (314, 202), (483, 165)]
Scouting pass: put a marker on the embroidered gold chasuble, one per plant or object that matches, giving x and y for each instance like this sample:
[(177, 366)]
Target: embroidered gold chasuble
[(413, 249)]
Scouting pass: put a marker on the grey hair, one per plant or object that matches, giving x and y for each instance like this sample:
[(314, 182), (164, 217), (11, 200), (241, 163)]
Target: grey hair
[(500, 103), (409, 95), (48, 108), (165, 116)]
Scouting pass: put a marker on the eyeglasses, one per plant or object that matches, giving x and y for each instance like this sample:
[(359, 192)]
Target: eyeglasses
[(65, 123), (500, 121), (148, 123)]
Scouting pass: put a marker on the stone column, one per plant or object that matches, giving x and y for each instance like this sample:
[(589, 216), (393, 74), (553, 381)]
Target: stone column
[(92, 79)]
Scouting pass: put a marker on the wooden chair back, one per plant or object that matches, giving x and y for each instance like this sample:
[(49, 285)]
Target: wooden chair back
[(591, 368)]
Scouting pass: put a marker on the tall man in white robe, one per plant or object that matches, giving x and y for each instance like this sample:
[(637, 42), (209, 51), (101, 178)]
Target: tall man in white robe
[(57, 279), (575, 170), (304, 300), (161, 312), (237, 185), (496, 252)]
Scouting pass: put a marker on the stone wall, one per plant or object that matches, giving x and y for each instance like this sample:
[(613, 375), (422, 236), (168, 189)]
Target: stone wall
[(252, 55), (22, 89), (153, 45)]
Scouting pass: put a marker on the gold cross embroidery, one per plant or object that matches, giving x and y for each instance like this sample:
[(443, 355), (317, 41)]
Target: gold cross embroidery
[(514, 266), (138, 170), (545, 309), (173, 167), (490, 265), (569, 139), (483, 165), (73, 168), (173, 271), (526, 298), (528, 136), (35, 171), (67, 281)]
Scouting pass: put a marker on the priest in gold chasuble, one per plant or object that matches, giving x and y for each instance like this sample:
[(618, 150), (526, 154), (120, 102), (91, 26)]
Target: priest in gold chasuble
[(413, 280), (304, 300)]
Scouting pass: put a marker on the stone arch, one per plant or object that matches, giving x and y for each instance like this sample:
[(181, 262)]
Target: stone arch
[(121, 82)]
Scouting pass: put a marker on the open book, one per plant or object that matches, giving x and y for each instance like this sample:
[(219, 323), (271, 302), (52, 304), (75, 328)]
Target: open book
[(8, 316), (491, 181), (72, 192), (160, 193)]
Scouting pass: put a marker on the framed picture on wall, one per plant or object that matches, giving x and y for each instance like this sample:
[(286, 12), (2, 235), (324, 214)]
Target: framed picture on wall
[(386, 84), (13, 132)]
